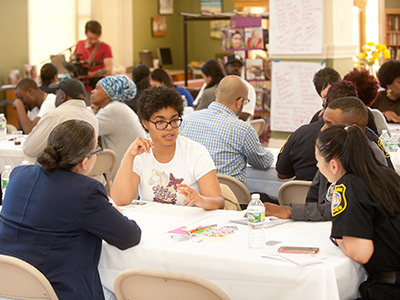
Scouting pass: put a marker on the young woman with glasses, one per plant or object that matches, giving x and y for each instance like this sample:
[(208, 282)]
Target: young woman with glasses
[(55, 218), (168, 168)]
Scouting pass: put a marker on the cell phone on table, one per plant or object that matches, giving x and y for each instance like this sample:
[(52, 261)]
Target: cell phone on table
[(304, 250)]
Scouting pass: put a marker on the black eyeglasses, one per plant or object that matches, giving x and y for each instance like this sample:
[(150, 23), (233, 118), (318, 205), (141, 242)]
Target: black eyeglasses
[(161, 125), (246, 100), (98, 151)]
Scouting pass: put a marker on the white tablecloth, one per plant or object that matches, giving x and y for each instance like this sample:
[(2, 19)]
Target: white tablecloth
[(240, 272), (394, 127), (11, 154)]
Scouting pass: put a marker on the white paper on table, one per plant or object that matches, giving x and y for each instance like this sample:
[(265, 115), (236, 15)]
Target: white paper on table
[(269, 221), (302, 259)]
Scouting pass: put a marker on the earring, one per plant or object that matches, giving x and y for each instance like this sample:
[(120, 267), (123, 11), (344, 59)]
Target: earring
[(388, 92)]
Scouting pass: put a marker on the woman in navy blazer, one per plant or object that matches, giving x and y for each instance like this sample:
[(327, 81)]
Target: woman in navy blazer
[(55, 218)]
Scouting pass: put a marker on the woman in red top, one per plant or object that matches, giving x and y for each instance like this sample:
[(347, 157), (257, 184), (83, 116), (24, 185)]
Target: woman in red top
[(102, 55)]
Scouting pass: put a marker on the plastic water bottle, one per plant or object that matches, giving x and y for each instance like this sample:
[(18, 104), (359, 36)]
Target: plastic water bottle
[(393, 144), (3, 127), (385, 139), (256, 218), (5, 178)]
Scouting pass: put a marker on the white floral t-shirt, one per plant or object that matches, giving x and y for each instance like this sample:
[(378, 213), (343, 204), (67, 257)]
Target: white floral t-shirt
[(158, 181)]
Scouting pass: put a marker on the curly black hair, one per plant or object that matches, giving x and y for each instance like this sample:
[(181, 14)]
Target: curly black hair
[(153, 99), (366, 84), (388, 72)]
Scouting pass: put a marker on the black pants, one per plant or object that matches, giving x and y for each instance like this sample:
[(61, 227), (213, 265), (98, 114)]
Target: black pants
[(378, 291)]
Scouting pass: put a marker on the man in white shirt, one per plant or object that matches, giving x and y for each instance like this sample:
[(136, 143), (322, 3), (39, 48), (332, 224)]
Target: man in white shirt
[(234, 66), (29, 97), (70, 105)]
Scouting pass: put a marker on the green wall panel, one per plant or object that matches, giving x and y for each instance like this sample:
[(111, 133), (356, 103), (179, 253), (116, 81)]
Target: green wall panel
[(392, 4), (201, 46), (14, 36)]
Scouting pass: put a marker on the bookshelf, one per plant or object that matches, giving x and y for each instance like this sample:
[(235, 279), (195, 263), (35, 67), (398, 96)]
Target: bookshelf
[(393, 32)]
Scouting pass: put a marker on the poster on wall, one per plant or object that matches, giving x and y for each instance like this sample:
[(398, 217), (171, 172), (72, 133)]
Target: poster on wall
[(255, 69), (211, 6), (254, 38), (165, 7), (232, 39), (293, 97), (159, 26), (295, 27), (217, 28)]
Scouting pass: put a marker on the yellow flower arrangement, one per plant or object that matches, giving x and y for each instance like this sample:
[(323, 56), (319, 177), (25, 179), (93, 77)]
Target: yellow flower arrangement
[(371, 53)]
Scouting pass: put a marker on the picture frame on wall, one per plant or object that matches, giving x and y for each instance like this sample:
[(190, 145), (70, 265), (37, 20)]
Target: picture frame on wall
[(235, 39), (165, 7), (211, 6), (217, 28), (254, 38), (255, 69), (159, 26)]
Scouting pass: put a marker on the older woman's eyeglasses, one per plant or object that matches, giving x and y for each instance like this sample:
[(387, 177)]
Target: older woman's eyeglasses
[(161, 125), (245, 100), (98, 151)]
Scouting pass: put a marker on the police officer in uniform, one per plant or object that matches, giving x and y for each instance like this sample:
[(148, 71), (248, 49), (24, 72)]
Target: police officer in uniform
[(365, 208)]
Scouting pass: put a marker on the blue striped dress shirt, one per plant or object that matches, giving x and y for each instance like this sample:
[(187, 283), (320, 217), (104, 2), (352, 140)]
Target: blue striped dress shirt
[(232, 143)]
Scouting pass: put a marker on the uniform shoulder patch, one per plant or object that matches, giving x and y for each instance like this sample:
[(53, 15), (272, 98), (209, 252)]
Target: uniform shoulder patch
[(283, 146), (339, 202)]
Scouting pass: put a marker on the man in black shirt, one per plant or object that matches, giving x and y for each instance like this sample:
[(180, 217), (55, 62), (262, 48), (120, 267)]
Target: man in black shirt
[(296, 157), (350, 111)]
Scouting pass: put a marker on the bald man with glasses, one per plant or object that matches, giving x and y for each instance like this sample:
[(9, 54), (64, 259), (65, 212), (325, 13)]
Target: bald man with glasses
[(232, 143)]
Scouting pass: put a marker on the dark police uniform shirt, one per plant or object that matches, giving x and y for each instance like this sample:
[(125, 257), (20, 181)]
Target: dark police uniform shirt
[(357, 213), (297, 155)]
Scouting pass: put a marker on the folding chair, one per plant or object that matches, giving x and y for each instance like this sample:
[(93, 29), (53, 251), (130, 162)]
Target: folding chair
[(239, 189), (293, 191), (258, 125), (231, 202), (20, 280), (154, 285), (105, 164)]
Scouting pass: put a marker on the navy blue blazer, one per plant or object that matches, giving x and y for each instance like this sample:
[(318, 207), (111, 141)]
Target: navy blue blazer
[(56, 221)]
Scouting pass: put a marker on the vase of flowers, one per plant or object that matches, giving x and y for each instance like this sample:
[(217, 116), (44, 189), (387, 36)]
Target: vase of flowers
[(371, 55)]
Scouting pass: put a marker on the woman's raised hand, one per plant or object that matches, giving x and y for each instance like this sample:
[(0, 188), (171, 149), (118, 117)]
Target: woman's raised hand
[(139, 146)]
